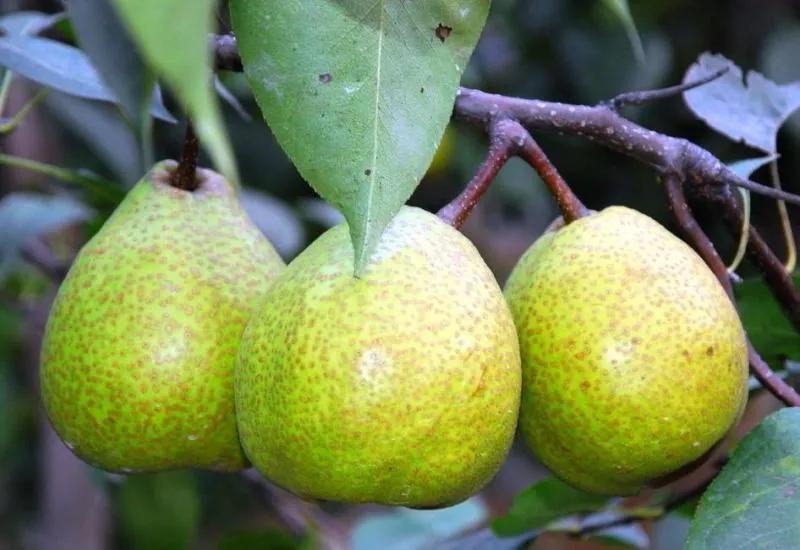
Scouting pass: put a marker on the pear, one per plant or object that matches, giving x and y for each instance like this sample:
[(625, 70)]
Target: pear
[(634, 359), (140, 346), (400, 387)]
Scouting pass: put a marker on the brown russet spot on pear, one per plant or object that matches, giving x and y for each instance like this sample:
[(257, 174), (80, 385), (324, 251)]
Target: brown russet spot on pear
[(401, 387), (141, 343), (634, 359)]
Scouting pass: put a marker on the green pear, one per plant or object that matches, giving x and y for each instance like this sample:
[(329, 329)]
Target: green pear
[(400, 387), (634, 359), (140, 346)]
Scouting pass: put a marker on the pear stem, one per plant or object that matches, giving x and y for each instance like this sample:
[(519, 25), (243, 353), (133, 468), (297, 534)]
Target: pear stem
[(185, 175), (700, 242), (501, 149), (568, 202), (509, 138)]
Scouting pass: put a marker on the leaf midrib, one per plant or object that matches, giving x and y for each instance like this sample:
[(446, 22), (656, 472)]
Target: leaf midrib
[(373, 164)]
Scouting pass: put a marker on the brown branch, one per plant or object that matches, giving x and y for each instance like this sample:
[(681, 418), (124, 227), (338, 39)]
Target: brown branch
[(508, 138), (503, 143), (646, 96), (185, 175), (605, 126), (226, 53), (771, 381)]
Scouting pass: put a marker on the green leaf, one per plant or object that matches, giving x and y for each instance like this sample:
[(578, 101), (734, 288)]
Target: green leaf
[(173, 38), (159, 511), (358, 93), (112, 51), (542, 503), (623, 11), (770, 331), (751, 110), (755, 500), (62, 68)]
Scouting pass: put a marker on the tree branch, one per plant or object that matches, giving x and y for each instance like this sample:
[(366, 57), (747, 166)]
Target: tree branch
[(602, 124), (646, 96), (508, 138), (226, 53)]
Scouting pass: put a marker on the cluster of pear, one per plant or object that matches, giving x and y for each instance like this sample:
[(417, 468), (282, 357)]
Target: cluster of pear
[(180, 339)]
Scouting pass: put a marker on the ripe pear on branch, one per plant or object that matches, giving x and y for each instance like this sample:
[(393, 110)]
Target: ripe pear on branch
[(139, 351), (634, 359), (400, 387)]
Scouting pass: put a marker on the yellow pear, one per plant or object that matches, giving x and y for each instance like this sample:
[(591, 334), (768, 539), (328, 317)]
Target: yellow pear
[(634, 359), (401, 387), (141, 343)]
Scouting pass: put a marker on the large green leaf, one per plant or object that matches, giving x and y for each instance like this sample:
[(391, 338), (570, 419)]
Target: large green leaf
[(755, 500), (358, 93), (173, 38), (767, 326), (542, 503)]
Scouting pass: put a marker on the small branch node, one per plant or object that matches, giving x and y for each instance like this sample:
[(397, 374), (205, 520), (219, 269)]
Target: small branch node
[(646, 96)]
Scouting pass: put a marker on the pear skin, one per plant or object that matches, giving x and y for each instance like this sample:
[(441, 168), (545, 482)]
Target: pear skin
[(401, 387), (140, 346), (634, 359)]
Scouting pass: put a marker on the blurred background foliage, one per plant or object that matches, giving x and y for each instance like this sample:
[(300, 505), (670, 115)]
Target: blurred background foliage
[(571, 51)]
